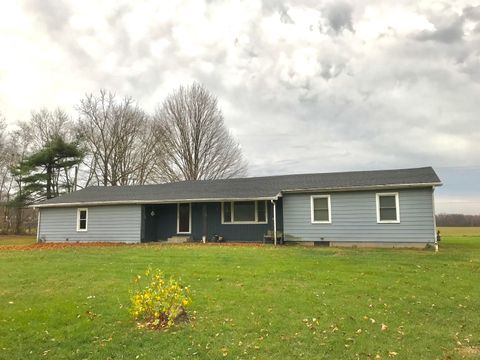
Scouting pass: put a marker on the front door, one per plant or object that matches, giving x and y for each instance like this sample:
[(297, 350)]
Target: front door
[(183, 218)]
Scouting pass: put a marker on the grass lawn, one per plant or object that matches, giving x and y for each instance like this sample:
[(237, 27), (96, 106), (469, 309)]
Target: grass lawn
[(249, 302), (17, 240)]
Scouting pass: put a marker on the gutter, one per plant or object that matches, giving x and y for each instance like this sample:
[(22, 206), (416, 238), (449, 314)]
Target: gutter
[(358, 188), (143, 202)]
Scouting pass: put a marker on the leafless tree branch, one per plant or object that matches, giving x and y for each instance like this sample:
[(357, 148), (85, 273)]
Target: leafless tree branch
[(193, 139)]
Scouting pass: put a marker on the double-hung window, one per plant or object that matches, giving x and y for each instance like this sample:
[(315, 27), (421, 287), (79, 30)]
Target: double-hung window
[(388, 210), (82, 219), (246, 212), (320, 209)]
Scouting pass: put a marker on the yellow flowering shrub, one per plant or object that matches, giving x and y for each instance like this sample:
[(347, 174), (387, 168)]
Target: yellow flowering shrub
[(158, 302)]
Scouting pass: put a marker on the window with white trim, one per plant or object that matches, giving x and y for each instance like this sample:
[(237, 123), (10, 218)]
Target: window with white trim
[(320, 209), (244, 212), (82, 219), (388, 210)]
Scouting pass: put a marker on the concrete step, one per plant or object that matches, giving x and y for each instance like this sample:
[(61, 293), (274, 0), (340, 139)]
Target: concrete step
[(178, 239)]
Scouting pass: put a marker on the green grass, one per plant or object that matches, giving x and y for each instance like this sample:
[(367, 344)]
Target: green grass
[(17, 240), (460, 231), (248, 302)]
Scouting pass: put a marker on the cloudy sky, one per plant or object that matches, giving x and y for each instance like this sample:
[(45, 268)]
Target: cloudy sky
[(305, 86)]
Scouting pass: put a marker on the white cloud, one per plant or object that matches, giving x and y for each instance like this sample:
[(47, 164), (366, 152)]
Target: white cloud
[(305, 86)]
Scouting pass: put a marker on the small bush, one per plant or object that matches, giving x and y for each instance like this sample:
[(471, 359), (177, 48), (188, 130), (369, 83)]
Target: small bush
[(159, 303)]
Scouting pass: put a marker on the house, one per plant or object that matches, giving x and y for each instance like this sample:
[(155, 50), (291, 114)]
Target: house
[(363, 208)]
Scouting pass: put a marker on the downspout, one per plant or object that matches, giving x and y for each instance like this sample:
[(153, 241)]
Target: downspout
[(434, 221), (274, 223), (38, 225)]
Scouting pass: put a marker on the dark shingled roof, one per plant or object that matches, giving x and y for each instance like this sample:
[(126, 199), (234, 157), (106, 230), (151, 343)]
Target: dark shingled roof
[(248, 188)]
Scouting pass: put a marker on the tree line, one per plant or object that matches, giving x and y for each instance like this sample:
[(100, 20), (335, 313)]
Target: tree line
[(112, 141), (457, 220)]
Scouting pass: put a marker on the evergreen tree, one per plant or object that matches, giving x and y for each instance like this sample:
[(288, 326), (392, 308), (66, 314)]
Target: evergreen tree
[(46, 173)]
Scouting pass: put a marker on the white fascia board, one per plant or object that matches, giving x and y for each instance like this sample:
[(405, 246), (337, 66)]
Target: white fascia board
[(143, 202), (359, 188)]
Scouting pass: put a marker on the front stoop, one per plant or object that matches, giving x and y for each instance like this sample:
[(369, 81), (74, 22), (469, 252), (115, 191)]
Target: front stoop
[(178, 239)]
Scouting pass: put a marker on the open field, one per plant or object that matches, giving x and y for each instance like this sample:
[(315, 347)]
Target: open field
[(460, 231), (249, 302)]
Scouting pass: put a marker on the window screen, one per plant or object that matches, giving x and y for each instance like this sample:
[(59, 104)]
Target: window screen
[(244, 211), (82, 219), (387, 208), (320, 209), (227, 212), (261, 211)]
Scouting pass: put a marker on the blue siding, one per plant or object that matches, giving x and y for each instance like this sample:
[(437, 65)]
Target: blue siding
[(117, 223), (354, 218), (163, 224)]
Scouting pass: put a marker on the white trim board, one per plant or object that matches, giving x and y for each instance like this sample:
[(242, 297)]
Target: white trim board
[(397, 208), (329, 204), (147, 202), (78, 219)]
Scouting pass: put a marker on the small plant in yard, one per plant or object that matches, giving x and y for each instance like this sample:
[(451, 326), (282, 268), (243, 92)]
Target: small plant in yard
[(159, 303)]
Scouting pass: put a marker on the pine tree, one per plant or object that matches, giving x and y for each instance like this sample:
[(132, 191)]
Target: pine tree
[(45, 174)]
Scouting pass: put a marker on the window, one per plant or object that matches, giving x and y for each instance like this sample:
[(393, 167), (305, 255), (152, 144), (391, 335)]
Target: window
[(227, 212), (246, 212), (388, 208), (320, 209), (184, 218), (82, 219), (261, 211)]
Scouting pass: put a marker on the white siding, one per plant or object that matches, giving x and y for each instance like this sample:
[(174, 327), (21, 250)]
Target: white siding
[(354, 218), (120, 223)]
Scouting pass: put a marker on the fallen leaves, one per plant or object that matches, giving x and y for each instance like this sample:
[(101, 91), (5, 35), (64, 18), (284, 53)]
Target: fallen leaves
[(90, 314), (311, 323), (469, 351), (65, 245)]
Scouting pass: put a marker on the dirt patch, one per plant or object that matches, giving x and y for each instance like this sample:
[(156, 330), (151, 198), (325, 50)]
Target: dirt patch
[(468, 351), (56, 246)]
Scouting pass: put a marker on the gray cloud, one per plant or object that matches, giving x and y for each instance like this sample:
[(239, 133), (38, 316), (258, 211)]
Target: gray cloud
[(472, 12), (362, 93), (285, 18), (339, 15), (446, 33), (53, 14)]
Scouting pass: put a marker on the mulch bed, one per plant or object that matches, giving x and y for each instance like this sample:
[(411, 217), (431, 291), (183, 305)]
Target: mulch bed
[(56, 246)]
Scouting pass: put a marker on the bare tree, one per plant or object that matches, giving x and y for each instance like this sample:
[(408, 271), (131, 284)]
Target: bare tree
[(13, 146), (4, 176), (119, 141), (45, 125), (193, 138)]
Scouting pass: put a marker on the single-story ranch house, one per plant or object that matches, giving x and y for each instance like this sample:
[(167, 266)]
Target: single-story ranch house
[(363, 208)]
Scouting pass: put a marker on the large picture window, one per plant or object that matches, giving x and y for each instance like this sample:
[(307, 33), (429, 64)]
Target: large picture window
[(82, 219), (388, 210), (320, 209), (246, 212)]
